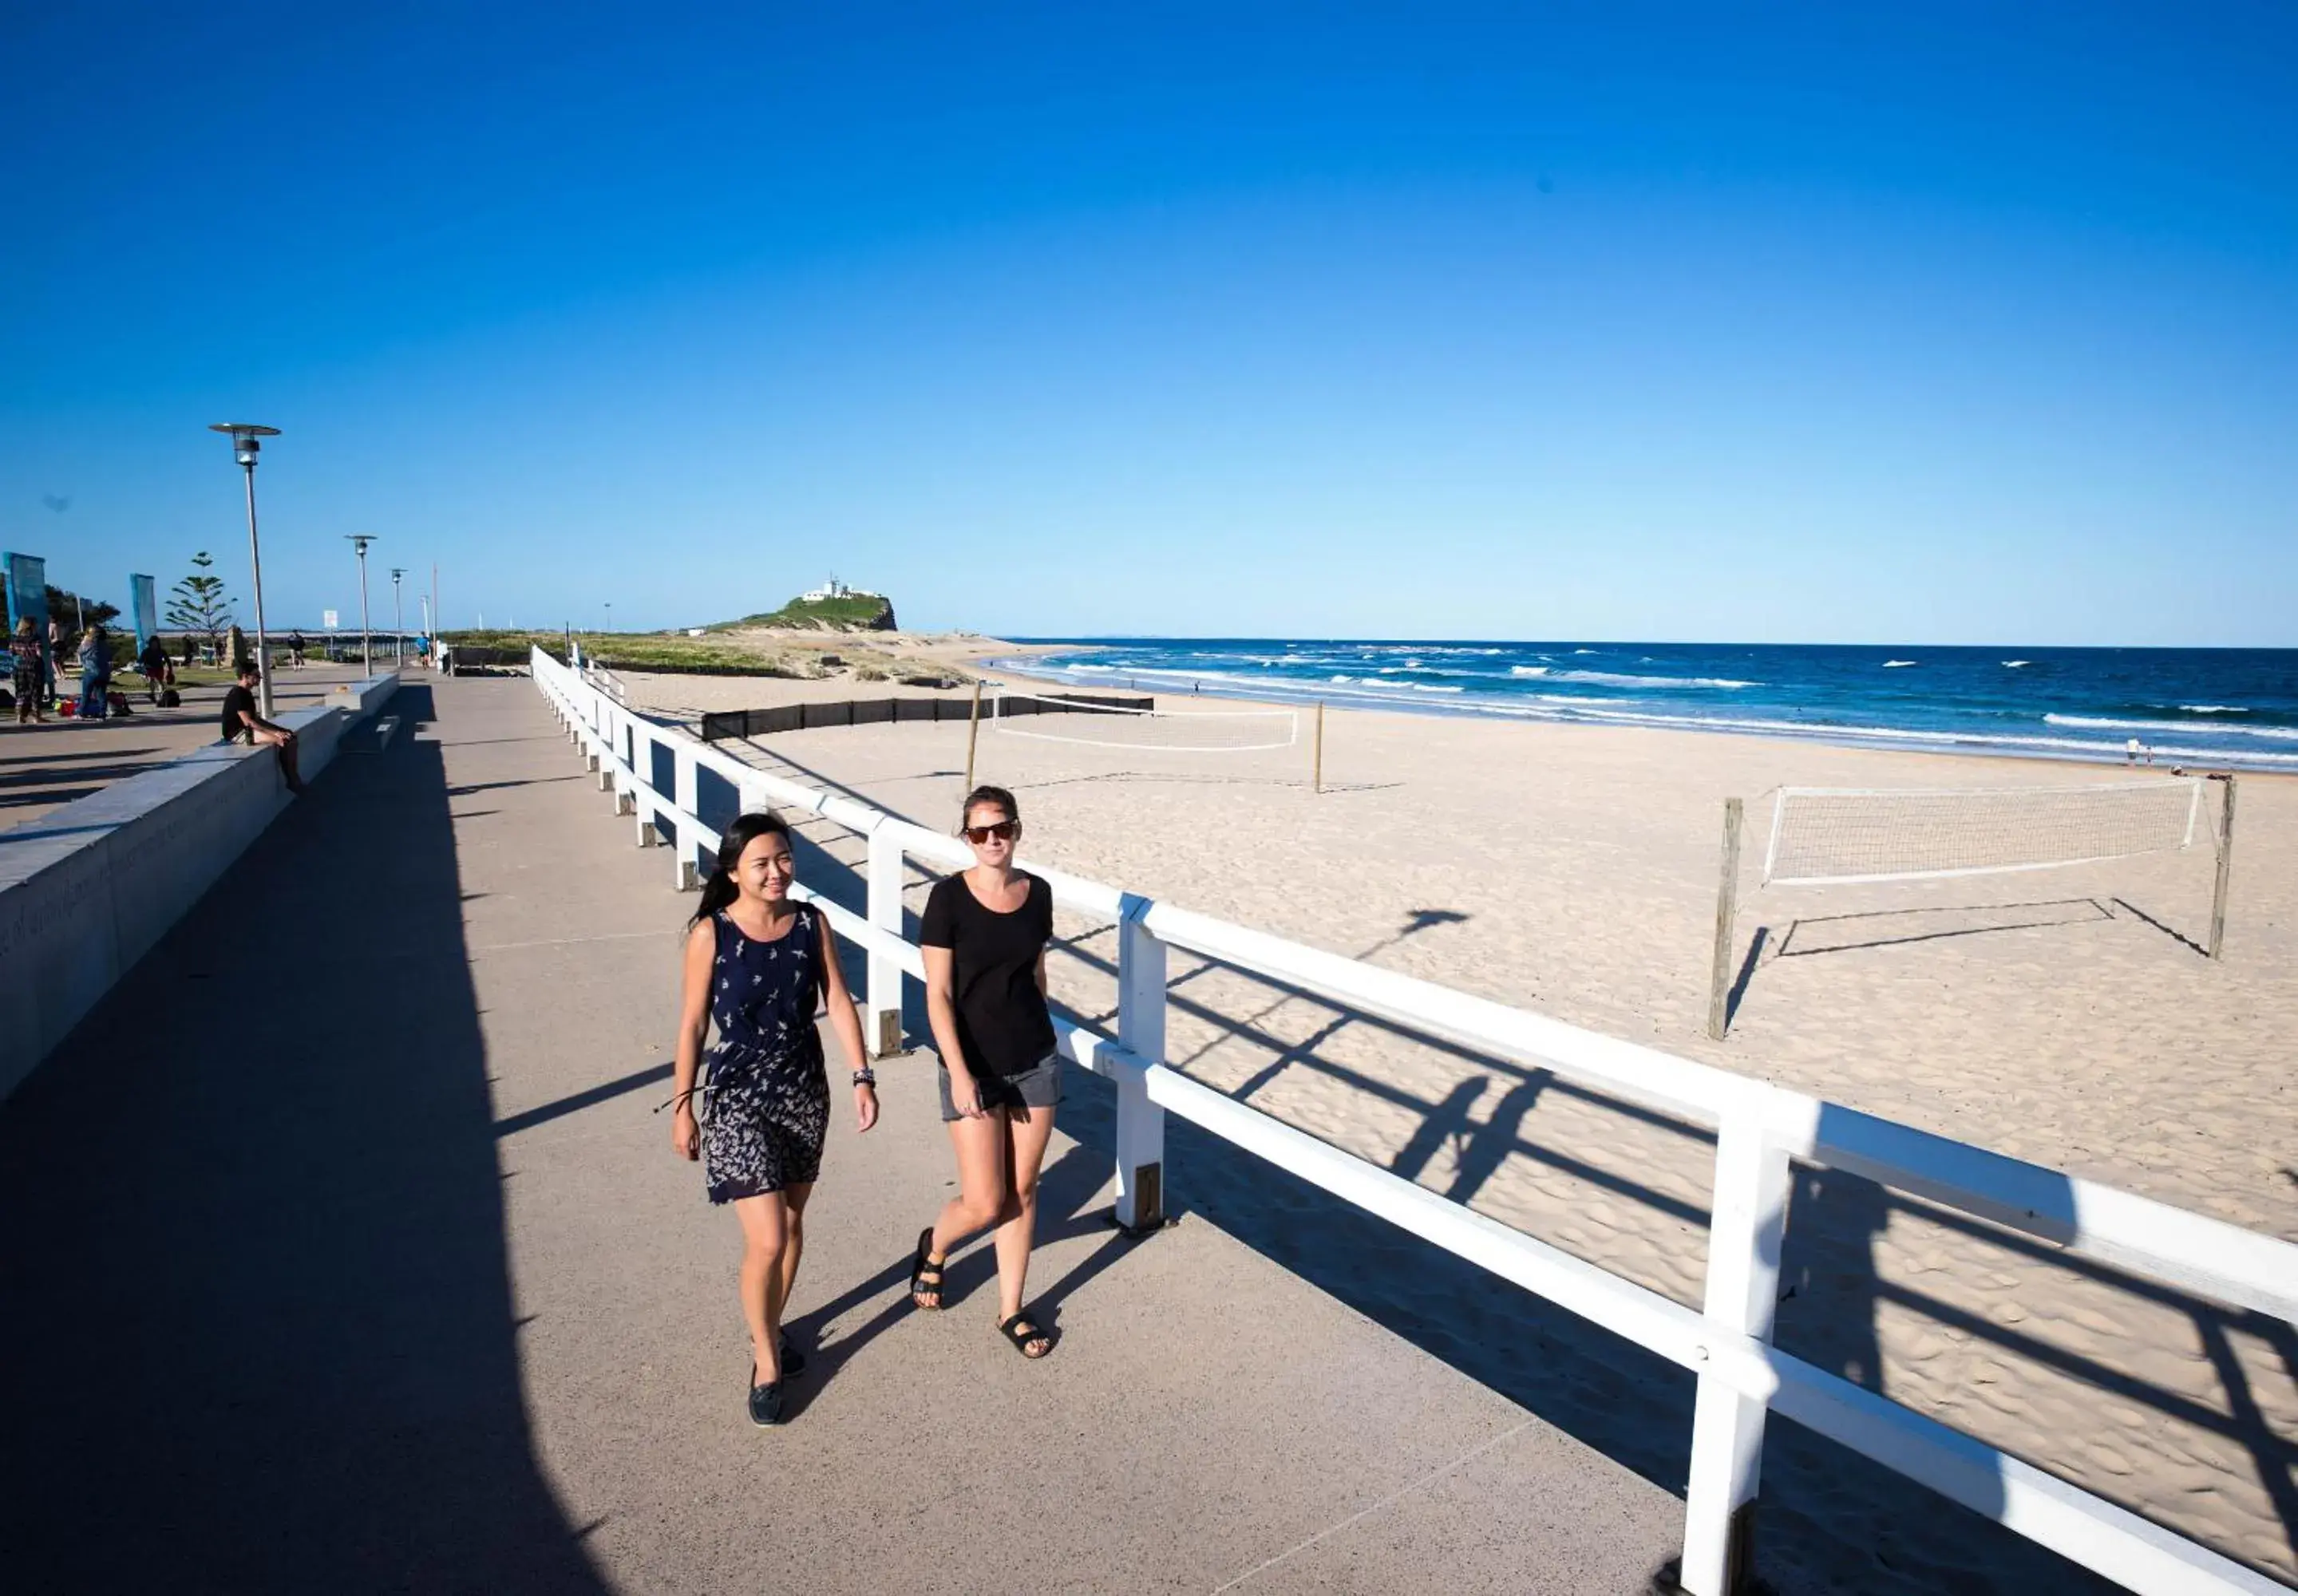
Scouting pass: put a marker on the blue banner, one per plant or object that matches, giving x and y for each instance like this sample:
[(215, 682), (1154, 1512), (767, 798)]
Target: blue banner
[(28, 599), (143, 600)]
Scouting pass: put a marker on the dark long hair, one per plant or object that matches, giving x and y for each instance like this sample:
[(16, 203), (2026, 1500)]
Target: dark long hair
[(723, 885)]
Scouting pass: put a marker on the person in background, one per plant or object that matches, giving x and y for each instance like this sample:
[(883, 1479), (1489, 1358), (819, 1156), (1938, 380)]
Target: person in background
[(24, 655), (984, 937), (191, 651), (95, 672), (759, 963), (241, 723), (155, 661), (50, 659), (295, 649)]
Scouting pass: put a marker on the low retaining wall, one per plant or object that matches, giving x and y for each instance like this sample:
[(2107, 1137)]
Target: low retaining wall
[(86, 889), (872, 712)]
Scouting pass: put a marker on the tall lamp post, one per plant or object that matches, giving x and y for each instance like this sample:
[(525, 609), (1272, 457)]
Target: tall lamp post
[(246, 443), (360, 540), (398, 620)]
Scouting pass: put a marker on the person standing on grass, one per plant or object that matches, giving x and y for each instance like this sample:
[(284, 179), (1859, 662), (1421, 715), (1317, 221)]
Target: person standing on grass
[(758, 964), (984, 939), (242, 723), (24, 655), (94, 673), (155, 661)]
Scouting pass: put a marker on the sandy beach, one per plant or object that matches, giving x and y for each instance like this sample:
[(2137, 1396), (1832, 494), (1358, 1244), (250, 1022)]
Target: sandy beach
[(2064, 1017)]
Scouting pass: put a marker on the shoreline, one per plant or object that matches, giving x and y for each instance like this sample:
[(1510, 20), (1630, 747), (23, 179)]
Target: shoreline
[(1881, 739)]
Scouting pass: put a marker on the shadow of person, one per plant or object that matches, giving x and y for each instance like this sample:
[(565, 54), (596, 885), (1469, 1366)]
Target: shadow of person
[(260, 1334)]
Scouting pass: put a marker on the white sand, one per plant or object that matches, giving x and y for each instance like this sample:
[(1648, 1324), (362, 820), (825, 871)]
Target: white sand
[(1572, 871)]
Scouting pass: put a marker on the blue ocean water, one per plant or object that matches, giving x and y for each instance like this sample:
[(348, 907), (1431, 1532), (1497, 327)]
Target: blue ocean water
[(2236, 707)]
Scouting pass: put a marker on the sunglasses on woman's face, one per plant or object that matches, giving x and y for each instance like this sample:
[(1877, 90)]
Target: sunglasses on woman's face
[(1004, 831)]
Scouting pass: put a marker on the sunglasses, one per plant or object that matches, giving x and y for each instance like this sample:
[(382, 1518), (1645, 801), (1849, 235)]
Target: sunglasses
[(1004, 831)]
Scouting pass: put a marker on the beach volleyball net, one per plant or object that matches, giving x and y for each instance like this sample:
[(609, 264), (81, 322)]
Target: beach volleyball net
[(1091, 723), (1823, 836), (1836, 837)]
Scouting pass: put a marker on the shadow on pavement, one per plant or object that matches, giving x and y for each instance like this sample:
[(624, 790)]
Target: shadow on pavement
[(260, 1334)]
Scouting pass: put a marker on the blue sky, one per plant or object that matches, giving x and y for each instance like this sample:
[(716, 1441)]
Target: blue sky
[(1943, 325)]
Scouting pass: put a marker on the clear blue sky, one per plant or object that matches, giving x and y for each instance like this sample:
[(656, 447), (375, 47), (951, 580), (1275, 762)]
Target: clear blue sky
[(1944, 324)]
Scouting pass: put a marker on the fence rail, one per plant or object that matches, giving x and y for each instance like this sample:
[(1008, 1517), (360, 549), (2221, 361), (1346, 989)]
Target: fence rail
[(1761, 1131)]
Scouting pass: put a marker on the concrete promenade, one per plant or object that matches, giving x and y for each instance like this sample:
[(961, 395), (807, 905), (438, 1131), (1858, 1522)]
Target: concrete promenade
[(359, 1264), (48, 764)]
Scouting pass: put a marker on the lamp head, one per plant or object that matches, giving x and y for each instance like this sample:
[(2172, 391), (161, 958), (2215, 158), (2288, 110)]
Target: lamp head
[(246, 439), (358, 541)]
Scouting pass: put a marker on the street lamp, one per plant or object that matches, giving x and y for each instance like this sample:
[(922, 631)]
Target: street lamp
[(399, 621), (360, 540), (246, 443)]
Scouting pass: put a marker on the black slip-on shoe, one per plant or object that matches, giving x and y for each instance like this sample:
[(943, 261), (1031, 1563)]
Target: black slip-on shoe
[(765, 1403)]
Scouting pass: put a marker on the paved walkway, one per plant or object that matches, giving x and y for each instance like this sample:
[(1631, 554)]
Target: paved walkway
[(358, 1263)]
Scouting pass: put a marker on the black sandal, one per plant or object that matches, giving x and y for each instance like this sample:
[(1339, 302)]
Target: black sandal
[(925, 1275), (1022, 1337)]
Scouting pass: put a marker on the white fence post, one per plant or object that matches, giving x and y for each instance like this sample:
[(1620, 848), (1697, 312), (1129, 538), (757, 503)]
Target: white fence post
[(1141, 1032), (1746, 1227), (884, 1031), (687, 858)]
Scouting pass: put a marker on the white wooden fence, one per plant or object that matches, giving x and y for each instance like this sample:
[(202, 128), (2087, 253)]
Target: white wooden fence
[(1760, 1129)]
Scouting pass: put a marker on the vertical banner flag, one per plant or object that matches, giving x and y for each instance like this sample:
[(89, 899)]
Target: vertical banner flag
[(143, 598), (28, 599)]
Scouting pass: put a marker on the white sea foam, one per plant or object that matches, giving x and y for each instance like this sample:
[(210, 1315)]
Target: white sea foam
[(1895, 664), (2110, 723), (2015, 664), (2216, 709), (1607, 679)]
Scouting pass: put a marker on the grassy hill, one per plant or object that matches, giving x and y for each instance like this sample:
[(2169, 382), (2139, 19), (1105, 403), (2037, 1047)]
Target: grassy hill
[(847, 612)]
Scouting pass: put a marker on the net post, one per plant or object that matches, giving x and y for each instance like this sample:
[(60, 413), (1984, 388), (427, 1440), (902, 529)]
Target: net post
[(2226, 866), (972, 733), (1727, 903), (1316, 776)]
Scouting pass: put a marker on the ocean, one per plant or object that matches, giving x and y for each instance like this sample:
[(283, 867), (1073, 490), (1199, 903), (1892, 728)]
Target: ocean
[(2230, 707)]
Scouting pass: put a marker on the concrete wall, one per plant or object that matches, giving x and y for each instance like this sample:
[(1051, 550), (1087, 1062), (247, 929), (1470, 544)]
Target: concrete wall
[(86, 890)]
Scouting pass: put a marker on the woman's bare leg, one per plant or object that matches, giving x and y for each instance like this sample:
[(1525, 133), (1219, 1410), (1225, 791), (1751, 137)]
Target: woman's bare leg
[(981, 1167), (794, 1199), (765, 1237), (1031, 1130)]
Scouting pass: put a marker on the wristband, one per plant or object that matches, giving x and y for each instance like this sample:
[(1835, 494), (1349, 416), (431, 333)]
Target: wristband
[(865, 1076)]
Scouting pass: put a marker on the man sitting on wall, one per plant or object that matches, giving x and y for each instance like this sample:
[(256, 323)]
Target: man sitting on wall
[(242, 723)]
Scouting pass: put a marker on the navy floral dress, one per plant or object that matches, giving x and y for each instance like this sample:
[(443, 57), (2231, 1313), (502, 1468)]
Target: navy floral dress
[(765, 1095)]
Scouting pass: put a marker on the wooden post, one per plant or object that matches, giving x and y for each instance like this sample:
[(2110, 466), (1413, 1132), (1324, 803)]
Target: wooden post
[(2226, 866), (1317, 779), (1727, 903), (1141, 1032), (972, 732), (1748, 1220)]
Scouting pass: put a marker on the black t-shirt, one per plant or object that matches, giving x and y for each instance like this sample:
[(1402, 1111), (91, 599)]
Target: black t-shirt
[(1003, 1027), (239, 698)]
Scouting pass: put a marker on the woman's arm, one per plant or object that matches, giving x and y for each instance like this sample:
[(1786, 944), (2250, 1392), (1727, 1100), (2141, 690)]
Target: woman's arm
[(941, 1010), (842, 1018), (693, 1024)]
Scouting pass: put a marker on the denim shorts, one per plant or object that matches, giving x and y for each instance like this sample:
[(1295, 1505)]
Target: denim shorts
[(1037, 1087)]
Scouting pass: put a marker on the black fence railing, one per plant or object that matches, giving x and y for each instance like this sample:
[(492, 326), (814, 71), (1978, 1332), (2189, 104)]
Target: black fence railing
[(873, 711)]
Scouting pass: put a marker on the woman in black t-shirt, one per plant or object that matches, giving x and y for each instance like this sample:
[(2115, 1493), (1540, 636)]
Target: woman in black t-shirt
[(984, 938)]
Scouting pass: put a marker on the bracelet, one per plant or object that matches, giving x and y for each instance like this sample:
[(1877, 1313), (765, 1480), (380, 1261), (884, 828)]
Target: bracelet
[(865, 1076)]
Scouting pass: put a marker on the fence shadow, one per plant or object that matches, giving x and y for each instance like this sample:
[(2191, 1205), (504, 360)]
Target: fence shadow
[(1831, 1518), (260, 1334)]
